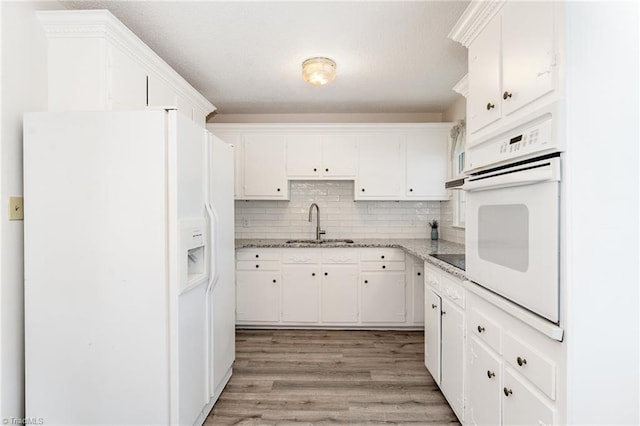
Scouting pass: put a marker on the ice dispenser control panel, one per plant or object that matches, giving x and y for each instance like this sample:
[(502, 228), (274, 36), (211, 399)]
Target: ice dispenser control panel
[(193, 252)]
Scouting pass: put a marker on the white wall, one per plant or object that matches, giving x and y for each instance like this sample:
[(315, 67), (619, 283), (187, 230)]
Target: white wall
[(601, 171), (23, 78), (457, 111), (340, 216)]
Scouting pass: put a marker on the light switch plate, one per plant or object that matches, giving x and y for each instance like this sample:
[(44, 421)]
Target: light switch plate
[(16, 208)]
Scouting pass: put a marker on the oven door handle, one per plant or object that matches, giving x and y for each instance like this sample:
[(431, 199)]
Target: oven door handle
[(515, 178)]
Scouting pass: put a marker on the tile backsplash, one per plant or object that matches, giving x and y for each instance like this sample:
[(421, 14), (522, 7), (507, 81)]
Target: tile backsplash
[(340, 216)]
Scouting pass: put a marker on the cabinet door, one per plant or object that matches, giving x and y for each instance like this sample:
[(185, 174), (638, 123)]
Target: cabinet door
[(484, 377), (128, 82), (300, 293), (484, 77), (383, 297), (432, 333), (304, 156), (339, 156), (159, 93), (427, 165), (380, 174), (527, 27), (521, 404), (339, 293), (265, 166), (452, 383), (417, 274), (257, 296)]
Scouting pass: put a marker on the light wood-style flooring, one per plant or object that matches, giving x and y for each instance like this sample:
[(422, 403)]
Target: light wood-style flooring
[(319, 377)]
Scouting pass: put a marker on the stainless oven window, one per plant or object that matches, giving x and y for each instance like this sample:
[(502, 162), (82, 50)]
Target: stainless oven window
[(503, 235)]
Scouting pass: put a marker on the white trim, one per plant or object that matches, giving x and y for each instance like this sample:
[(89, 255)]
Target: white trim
[(462, 86), (102, 24), (473, 20), (323, 127)]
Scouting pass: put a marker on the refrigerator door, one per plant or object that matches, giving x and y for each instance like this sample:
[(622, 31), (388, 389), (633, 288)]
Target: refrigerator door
[(96, 280), (222, 284)]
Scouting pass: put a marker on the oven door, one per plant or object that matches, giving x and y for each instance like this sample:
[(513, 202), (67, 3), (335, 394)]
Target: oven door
[(512, 239)]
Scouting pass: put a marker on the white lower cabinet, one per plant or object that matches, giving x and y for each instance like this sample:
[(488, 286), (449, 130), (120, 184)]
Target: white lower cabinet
[(452, 369), (334, 287), (522, 404), (300, 293), (339, 294), (483, 387), (258, 296), (432, 335)]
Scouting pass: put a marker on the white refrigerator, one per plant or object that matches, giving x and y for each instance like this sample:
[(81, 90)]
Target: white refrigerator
[(128, 267)]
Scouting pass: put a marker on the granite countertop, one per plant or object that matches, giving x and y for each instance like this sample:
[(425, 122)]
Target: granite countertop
[(420, 248)]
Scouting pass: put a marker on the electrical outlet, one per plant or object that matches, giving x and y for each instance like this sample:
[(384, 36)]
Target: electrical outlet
[(16, 208)]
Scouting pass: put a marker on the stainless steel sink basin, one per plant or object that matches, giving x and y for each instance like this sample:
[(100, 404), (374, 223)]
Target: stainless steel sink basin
[(329, 241)]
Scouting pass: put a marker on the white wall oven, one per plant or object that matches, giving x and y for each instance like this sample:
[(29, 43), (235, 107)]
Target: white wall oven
[(513, 218)]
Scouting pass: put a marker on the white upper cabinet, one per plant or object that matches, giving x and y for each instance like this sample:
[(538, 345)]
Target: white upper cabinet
[(513, 59), (380, 174), (95, 63), (405, 161), (426, 164), (264, 167)]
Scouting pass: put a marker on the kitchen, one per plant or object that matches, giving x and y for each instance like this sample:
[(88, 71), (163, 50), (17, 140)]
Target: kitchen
[(597, 232)]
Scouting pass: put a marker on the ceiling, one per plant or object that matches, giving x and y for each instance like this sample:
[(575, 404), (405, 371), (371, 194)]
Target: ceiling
[(246, 56)]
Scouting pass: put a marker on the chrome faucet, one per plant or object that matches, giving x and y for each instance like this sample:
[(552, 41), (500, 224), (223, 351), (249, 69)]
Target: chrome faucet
[(319, 231)]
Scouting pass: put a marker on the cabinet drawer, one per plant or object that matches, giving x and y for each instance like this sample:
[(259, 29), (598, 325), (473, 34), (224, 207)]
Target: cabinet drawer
[(382, 266), (300, 256), (259, 265), (340, 255), (453, 291), (522, 405), (258, 254), (531, 364), (484, 385), (382, 254), (486, 329)]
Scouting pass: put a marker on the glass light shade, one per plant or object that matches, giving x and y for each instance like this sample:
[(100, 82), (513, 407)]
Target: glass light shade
[(318, 71)]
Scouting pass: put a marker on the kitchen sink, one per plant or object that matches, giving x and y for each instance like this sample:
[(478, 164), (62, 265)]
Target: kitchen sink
[(330, 241)]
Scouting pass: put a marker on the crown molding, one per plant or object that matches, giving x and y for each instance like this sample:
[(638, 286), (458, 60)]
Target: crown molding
[(473, 20), (462, 87), (102, 24)]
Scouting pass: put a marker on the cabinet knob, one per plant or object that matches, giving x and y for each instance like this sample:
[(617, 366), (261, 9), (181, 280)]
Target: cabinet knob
[(257, 266), (366, 281), (506, 95), (444, 312), (419, 273), (507, 391), (490, 106), (410, 189), (326, 273), (313, 274), (274, 281), (278, 189), (384, 267), (433, 306), (480, 329), (382, 257), (326, 170), (315, 170), (521, 361), (257, 256), (490, 374)]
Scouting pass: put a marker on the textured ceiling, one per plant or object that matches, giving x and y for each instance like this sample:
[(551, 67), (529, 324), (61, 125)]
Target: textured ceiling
[(245, 57)]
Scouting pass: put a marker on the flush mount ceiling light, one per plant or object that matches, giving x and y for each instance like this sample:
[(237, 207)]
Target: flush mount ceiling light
[(318, 71)]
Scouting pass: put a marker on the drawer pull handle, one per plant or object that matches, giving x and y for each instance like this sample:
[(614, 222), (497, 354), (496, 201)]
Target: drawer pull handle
[(490, 374), (480, 329), (521, 361), (507, 391), (433, 306)]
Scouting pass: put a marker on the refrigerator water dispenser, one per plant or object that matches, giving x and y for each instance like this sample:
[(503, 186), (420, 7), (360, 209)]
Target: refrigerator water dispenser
[(193, 247)]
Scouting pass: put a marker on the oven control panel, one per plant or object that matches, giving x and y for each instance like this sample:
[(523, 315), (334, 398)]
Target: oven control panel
[(532, 139)]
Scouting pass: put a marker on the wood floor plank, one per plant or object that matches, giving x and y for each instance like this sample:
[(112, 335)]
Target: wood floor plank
[(318, 377)]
